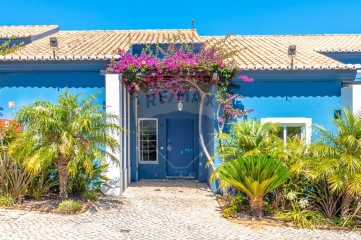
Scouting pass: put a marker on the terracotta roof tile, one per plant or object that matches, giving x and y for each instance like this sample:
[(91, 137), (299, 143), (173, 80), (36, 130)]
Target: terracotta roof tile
[(101, 43), (271, 52), (25, 31), (251, 52)]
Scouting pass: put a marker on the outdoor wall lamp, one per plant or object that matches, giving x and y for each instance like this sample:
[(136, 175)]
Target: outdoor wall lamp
[(292, 50), (53, 45), (180, 106), (292, 53), (179, 98)]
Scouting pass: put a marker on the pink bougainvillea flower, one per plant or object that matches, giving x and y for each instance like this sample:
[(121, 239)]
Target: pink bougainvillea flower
[(246, 78), (178, 70)]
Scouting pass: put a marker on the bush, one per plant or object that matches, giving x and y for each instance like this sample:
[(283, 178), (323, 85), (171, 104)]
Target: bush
[(255, 176), (89, 196), (14, 179), (43, 182), (268, 208), (233, 206), (321, 189), (9, 133), (301, 217), (6, 200), (69, 207), (83, 182)]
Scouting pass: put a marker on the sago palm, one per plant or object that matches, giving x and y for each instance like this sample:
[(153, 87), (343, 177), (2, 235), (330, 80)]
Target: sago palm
[(255, 176), (71, 133), (337, 157), (249, 138)]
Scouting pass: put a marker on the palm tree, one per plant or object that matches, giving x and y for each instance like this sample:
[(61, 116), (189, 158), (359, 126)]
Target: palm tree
[(250, 138), (71, 133), (255, 176), (337, 157)]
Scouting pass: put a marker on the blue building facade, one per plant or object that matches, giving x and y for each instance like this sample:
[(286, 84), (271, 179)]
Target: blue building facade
[(25, 83), (314, 94), (162, 142)]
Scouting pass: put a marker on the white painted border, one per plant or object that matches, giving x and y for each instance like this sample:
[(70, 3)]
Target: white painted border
[(125, 143), (129, 151), (138, 140), (114, 105), (351, 97), (293, 121)]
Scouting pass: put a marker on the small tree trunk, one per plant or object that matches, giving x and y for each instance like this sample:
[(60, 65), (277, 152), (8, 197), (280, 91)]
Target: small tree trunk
[(200, 115), (345, 206), (63, 176), (256, 205)]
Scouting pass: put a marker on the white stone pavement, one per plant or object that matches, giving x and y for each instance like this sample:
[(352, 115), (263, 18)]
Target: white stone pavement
[(151, 210)]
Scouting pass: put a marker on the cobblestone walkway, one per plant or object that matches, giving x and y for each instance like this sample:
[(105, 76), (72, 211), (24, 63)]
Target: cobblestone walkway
[(151, 210)]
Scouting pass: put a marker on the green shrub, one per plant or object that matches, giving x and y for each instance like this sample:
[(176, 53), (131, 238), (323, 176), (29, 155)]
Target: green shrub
[(43, 182), (255, 176), (6, 200), (69, 207), (9, 133), (233, 206), (350, 223), (300, 214), (14, 179), (301, 217), (89, 196), (268, 208), (83, 182)]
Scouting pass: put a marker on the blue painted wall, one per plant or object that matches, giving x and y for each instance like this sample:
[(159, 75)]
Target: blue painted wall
[(150, 107), (312, 94), (317, 100), (25, 87)]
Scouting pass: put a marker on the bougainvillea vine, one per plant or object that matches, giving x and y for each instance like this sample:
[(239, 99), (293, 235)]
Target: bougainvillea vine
[(181, 69)]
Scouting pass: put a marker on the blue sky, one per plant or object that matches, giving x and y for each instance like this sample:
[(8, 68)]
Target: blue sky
[(211, 17)]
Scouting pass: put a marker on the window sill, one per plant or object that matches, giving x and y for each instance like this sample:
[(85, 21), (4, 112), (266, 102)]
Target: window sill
[(147, 163)]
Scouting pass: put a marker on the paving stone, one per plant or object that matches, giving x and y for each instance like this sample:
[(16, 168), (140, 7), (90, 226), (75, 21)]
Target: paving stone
[(151, 210)]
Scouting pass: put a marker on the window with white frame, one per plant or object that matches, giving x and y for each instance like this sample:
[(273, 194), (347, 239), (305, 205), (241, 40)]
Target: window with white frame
[(148, 140), (291, 127)]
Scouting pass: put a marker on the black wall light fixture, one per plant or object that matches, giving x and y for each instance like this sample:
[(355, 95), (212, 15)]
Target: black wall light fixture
[(53, 45), (292, 53)]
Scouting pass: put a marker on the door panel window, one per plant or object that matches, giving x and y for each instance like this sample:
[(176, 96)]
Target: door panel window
[(148, 140)]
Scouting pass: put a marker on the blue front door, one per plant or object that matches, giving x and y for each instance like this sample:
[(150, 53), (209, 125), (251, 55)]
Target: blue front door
[(181, 161)]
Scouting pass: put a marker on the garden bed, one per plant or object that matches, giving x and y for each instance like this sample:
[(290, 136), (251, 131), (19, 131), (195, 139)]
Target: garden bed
[(49, 203), (245, 218)]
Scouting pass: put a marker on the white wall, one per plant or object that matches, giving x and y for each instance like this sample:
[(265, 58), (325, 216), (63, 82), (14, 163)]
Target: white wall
[(117, 100), (351, 97)]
